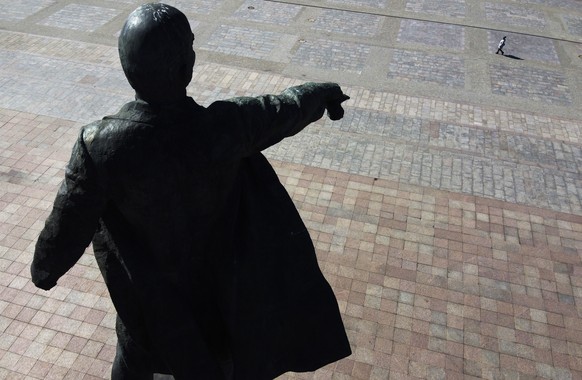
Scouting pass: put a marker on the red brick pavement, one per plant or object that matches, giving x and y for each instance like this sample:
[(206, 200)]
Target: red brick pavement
[(431, 284)]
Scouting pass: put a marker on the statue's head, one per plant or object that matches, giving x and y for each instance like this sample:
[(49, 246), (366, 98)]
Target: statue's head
[(155, 48)]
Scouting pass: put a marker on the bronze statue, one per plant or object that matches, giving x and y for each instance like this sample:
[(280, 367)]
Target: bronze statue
[(210, 268)]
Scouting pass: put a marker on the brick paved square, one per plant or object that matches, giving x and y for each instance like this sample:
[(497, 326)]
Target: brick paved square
[(449, 8), (574, 25), (80, 17), (499, 13), (332, 55), (362, 3), (568, 4), (264, 11), (251, 43), (525, 47), (432, 34), (356, 24), (194, 6), (19, 10), (449, 229), (531, 83), (375, 123), (426, 67), (56, 69), (62, 88)]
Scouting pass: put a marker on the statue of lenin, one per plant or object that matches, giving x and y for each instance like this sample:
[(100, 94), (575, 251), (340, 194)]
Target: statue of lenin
[(211, 270)]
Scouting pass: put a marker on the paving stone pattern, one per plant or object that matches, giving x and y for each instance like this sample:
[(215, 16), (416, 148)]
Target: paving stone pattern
[(530, 82), (248, 42), (263, 11), (80, 17), (194, 6), (565, 4), (362, 3), (25, 87), (19, 10), (332, 55), (447, 70), (499, 13), (446, 216), (69, 50), (449, 8), (356, 24), (451, 168), (446, 36), (574, 25)]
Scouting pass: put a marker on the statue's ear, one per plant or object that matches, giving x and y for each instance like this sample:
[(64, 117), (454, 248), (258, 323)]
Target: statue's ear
[(186, 68)]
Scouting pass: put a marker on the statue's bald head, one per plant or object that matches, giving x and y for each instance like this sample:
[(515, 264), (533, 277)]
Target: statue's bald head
[(155, 48)]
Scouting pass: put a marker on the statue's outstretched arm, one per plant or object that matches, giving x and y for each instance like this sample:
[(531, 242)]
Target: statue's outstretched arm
[(257, 123)]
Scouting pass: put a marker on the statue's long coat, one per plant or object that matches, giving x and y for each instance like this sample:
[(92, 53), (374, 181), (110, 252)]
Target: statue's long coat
[(202, 250)]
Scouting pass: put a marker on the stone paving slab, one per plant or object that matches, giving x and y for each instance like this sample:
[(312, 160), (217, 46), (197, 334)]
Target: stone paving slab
[(362, 3), (23, 9), (357, 24), (532, 83), (191, 7), (332, 55), (432, 34), (564, 4), (262, 11), (80, 17), (446, 70), (574, 25), (251, 43), (445, 207), (450, 8), (498, 13)]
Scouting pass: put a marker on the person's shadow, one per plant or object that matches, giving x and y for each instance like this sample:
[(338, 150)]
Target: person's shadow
[(512, 57)]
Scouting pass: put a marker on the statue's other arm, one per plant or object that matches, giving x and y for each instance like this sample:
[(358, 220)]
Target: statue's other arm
[(265, 120), (73, 220)]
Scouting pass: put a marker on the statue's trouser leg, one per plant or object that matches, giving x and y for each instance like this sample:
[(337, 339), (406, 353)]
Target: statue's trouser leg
[(129, 367), (131, 361)]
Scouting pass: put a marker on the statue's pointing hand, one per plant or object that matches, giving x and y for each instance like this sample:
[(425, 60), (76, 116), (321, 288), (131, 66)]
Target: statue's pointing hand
[(334, 102), (334, 107)]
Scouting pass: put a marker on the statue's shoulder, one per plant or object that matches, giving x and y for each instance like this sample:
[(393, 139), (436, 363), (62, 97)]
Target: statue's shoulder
[(111, 127), (90, 131), (105, 129)]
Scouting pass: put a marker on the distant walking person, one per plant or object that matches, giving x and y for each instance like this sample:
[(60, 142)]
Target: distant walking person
[(501, 45)]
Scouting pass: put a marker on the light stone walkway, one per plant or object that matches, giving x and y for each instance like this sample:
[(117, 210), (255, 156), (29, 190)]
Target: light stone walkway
[(446, 207)]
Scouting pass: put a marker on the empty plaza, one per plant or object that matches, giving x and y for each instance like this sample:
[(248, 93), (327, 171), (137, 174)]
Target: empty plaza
[(445, 207)]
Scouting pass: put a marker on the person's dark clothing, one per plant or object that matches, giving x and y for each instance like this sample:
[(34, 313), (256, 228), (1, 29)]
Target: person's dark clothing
[(205, 256)]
